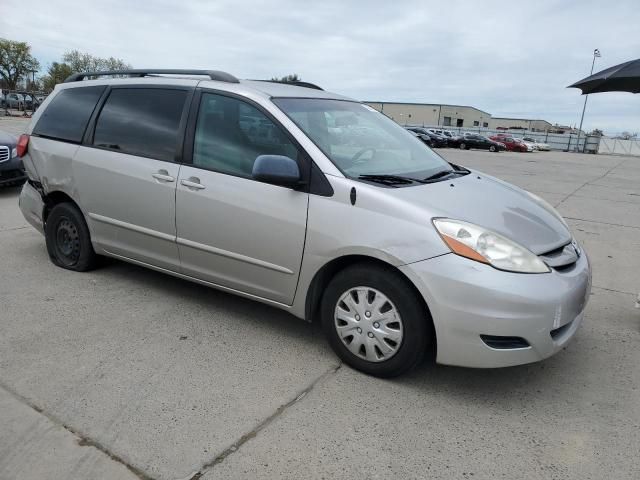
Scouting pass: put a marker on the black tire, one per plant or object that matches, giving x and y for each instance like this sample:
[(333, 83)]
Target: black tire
[(463, 146), (493, 148), (417, 326), (68, 239)]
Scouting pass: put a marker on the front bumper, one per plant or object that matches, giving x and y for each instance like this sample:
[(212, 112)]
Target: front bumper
[(12, 170), (468, 299)]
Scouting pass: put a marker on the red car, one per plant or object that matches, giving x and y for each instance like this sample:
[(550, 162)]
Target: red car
[(512, 144)]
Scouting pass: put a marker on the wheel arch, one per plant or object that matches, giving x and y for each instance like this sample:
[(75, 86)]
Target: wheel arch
[(54, 198), (324, 275)]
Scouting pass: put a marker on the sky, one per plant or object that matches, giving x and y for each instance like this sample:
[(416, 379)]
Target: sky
[(510, 59)]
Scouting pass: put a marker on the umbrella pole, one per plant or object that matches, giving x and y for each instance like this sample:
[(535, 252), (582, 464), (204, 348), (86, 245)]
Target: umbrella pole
[(596, 53), (584, 107)]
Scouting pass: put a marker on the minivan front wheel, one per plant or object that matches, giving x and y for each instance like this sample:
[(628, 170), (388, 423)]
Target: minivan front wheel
[(374, 320), (68, 239)]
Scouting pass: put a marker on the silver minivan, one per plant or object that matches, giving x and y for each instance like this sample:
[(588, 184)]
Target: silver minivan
[(307, 201)]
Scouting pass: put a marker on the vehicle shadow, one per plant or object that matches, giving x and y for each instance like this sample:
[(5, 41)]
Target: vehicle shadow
[(12, 191), (227, 307), (560, 375), (427, 377)]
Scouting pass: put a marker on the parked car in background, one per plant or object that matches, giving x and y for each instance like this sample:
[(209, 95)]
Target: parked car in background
[(11, 169), (512, 144), (450, 134), (453, 138), (13, 100), (474, 140), (541, 146), (531, 146), (441, 134), (434, 140), (18, 101)]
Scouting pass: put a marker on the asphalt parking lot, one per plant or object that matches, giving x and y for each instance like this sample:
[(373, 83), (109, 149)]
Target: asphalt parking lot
[(127, 373)]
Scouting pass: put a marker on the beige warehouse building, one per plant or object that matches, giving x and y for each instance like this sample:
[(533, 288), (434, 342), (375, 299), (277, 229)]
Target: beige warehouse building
[(461, 116), (520, 123)]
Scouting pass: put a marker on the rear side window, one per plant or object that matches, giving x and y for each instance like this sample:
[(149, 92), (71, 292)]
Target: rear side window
[(142, 122), (66, 117)]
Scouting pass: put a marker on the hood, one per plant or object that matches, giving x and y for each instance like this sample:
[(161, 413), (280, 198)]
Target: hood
[(8, 140), (491, 203)]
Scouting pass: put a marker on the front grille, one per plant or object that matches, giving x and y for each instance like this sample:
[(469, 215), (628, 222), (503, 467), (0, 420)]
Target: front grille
[(4, 153), (504, 343)]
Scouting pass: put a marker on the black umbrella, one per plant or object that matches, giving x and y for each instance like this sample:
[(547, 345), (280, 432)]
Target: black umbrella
[(621, 78)]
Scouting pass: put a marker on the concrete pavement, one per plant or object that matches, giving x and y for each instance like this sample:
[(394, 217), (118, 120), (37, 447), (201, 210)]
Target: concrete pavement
[(126, 372)]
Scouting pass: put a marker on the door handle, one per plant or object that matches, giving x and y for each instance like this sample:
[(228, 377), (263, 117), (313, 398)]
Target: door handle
[(163, 176), (193, 183)]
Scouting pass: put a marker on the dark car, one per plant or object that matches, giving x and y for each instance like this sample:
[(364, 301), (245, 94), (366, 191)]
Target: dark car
[(11, 169), (432, 139), (472, 140)]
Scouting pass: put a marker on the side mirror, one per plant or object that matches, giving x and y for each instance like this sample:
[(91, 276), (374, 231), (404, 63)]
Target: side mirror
[(277, 170)]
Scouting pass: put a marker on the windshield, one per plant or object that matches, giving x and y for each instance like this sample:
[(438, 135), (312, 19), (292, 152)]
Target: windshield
[(360, 141)]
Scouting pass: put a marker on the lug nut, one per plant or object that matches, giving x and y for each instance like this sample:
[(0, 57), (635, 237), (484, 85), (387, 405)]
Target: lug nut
[(376, 325), (358, 318), (370, 335), (359, 330), (367, 314)]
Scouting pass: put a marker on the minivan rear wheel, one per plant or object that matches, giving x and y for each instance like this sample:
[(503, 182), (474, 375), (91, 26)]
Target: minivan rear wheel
[(463, 146), (68, 239), (374, 320)]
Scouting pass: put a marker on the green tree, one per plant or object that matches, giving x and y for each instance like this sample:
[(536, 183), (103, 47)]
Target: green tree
[(56, 73), (85, 62), (16, 62), (288, 78), (75, 61)]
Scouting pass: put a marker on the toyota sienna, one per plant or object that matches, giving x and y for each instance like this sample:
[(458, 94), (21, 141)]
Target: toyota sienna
[(307, 201)]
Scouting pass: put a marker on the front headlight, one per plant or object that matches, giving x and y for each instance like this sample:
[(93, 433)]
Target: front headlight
[(14, 152), (482, 245)]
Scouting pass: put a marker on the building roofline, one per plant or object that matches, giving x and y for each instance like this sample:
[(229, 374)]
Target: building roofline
[(426, 104), (525, 119)]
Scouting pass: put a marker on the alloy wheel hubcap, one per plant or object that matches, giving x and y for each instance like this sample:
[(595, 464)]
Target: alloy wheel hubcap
[(368, 324)]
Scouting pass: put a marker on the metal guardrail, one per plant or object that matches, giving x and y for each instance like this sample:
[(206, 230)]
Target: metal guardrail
[(22, 103)]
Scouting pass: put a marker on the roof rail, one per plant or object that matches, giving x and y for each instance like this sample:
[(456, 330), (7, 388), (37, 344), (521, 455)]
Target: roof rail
[(212, 74), (297, 83)]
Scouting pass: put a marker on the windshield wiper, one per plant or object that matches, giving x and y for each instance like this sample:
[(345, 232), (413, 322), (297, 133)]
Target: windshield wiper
[(459, 169), (440, 174), (389, 179)]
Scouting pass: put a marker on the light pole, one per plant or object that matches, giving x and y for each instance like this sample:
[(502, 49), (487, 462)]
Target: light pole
[(596, 53)]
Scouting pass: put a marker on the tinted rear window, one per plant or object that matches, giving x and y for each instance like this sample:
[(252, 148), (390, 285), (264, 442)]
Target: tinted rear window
[(66, 117), (142, 122)]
